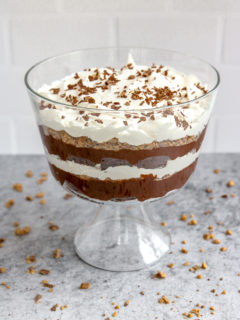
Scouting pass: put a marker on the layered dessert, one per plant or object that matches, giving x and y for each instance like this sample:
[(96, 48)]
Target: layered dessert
[(122, 134)]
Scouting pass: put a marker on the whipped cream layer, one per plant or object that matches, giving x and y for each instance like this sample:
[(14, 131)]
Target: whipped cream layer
[(122, 172), (110, 103)]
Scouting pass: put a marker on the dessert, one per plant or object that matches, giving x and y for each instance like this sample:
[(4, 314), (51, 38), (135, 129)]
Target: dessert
[(122, 134)]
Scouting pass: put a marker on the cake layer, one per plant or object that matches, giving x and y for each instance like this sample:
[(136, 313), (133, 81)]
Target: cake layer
[(144, 157), (142, 188)]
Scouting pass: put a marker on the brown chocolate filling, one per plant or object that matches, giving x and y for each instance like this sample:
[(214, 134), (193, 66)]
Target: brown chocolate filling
[(142, 158), (142, 188)]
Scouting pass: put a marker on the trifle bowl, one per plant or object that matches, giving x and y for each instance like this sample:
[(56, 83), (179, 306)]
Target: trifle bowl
[(122, 127)]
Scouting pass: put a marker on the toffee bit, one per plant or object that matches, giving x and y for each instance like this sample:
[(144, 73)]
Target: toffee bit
[(29, 198), (208, 236), (42, 201), (67, 196), (159, 275), (231, 183), (47, 285), (85, 285), (37, 298), (9, 203), (54, 308), (18, 187), (52, 226), (29, 174), (223, 249), (39, 195), (44, 272), (183, 217), (57, 253), (184, 250), (21, 232), (216, 241), (31, 270), (126, 303), (2, 240), (192, 222), (31, 259), (41, 180), (164, 300), (207, 212), (216, 171), (228, 232), (2, 270)]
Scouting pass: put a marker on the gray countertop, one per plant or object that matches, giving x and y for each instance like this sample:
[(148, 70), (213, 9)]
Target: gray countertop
[(180, 286)]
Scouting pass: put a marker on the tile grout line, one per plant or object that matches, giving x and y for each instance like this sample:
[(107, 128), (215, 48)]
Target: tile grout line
[(116, 29), (13, 138), (7, 41), (220, 38), (59, 6)]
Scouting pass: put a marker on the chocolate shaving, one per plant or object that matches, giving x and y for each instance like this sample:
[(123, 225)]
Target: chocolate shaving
[(86, 117), (55, 90)]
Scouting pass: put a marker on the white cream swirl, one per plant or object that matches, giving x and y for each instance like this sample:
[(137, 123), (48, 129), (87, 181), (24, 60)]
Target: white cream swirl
[(122, 172), (133, 89)]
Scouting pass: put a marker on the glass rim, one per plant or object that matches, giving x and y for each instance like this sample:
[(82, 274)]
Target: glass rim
[(164, 107)]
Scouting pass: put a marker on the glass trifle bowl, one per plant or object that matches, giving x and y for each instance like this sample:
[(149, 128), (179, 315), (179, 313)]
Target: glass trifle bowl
[(122, 127)]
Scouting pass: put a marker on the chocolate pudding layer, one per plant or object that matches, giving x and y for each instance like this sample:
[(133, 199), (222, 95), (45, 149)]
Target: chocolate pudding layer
[(143, 188), (92, 153)]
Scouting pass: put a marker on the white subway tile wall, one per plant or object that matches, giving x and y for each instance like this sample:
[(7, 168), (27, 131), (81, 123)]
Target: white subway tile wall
[(2, 44), (32, 30), (173, 31)]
